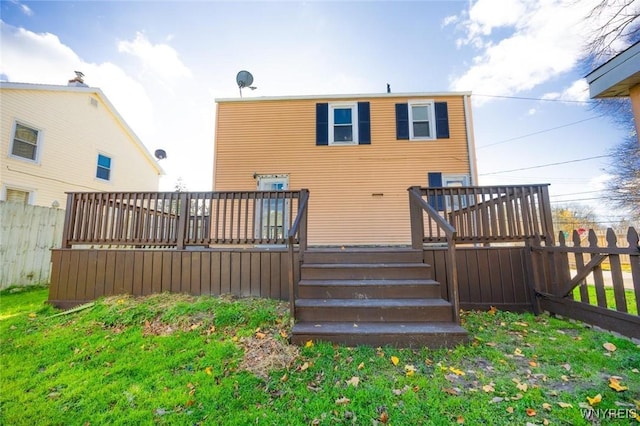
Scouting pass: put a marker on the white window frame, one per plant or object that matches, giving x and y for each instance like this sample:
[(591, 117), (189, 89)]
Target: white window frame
[(449, 181), (261, 230), (31, 197), (432, 123), (110, 157), (354, 123), (38, 142)]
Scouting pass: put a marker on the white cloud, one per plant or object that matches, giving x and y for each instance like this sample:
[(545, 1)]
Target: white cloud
[(160, 59), (23, 7), (546, 39), (41, 58), (578, 91)]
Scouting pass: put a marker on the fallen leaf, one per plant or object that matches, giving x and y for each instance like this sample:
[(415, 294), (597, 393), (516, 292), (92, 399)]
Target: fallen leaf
[(284, 378), (510, 410), (491, 344), (428, 362), (522, 386), (517, 397), (488, 388), (609, 346), (521, 324), (234, 339), (456, 371), (546, 422), (384, 417), (361, 366), (567, 366), (635, 370), (209, 370), (395, 360), (32, 315), (595, 400), (460, 420), (565, 405), (530, 412), (342, 401), (410, 370), (546, 406), (518, 352), (533, 364), (283, 334), (189, 403), (304, 366), (614, 383), (451, 391), (260, 335), (309, 344), (495, 400), (354, 381), (399, 392), (492, 310), (564, 378)]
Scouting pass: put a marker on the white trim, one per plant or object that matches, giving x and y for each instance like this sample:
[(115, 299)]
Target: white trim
[(39, 142), (471, 143), (30, 191), (432, 119), (354, 97), (354, 123)]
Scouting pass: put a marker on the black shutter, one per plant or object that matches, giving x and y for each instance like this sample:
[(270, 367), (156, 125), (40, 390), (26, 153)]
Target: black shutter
[(442, 120), (435, 181), (402, 121), (322, 124), (364, 124)]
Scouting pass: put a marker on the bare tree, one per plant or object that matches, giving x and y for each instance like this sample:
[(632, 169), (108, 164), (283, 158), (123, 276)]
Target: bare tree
[(621, 24), (624, 187)]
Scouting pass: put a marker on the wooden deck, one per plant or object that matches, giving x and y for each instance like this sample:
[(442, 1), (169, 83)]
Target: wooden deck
[(471, 248)]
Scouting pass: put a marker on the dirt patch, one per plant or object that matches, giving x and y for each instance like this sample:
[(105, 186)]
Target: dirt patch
[(262, 355)]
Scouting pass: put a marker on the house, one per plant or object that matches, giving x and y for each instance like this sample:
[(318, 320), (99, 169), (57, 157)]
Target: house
[(619, 77), (58, 139), (357, 155)]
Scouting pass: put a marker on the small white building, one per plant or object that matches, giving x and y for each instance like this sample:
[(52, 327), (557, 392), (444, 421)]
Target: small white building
[(57, 139)]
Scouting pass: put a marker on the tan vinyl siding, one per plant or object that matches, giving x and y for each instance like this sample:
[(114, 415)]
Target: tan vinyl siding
[(73, 131), (279, 137)]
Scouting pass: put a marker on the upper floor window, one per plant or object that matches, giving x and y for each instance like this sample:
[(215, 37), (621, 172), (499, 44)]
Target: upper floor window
[(104, 167), (421, 119), (343, 123), (25, 142)]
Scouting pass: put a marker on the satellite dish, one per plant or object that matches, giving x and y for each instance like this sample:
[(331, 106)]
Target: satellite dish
[(244, 79), (160, 154)]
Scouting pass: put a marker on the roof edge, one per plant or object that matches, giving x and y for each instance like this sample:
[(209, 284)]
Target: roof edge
[(346, 96)]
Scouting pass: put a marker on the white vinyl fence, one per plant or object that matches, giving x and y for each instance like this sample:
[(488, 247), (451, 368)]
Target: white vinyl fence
[(27, 235)]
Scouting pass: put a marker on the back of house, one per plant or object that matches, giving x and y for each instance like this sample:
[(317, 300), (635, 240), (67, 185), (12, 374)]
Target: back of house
[(357, 155)]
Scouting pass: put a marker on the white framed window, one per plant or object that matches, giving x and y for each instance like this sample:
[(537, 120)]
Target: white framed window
[(456, 202), (421, 120), (17, 195), (343, 124), (272, 215), (103, 168), (26, 142)]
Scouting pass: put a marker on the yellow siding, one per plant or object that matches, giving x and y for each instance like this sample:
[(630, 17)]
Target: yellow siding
[(278, 137), (73, 133)]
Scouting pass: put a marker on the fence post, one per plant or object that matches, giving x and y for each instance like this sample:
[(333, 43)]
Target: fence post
[(530, 271), (182, 220), (68, 214), (417, 220)]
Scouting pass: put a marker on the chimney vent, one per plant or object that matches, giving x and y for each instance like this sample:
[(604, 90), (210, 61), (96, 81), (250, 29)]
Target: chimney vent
[(78, 80)]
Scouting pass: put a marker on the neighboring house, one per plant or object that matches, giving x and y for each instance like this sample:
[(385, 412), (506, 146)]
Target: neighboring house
[(58, 139), (619, 77), (357, 155)]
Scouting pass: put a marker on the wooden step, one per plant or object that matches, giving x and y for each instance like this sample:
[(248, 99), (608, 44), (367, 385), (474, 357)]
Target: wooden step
[(365, 271), (404, 335), (363, 255), (368, 289), (374, 310)]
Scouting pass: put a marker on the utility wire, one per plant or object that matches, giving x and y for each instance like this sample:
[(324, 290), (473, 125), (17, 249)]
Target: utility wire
[(545, 165), (575, 193), (534, 99), (540, 131)]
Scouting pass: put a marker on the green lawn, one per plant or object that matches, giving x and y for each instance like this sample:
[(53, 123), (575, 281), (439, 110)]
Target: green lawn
[(630, 298), (180, 360)]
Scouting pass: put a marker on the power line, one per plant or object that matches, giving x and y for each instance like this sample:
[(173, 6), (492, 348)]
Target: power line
[(540, 131), (575, 193), (576, 199), (534, 99), (545, 165)]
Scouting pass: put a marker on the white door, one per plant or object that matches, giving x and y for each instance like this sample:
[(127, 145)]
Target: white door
[(272, 211)]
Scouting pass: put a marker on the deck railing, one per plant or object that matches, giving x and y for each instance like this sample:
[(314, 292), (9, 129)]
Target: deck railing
[(297, 234), (486, 214), (179, 219), (417, 207)]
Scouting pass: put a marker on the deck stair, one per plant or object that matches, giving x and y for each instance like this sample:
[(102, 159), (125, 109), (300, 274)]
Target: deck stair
[(372, 296)]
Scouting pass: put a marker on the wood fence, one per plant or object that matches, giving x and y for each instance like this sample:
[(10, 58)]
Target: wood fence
[(27, 234), (609, 299)]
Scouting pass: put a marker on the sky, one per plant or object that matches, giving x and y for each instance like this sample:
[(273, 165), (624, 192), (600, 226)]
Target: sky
[(162, 64)]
